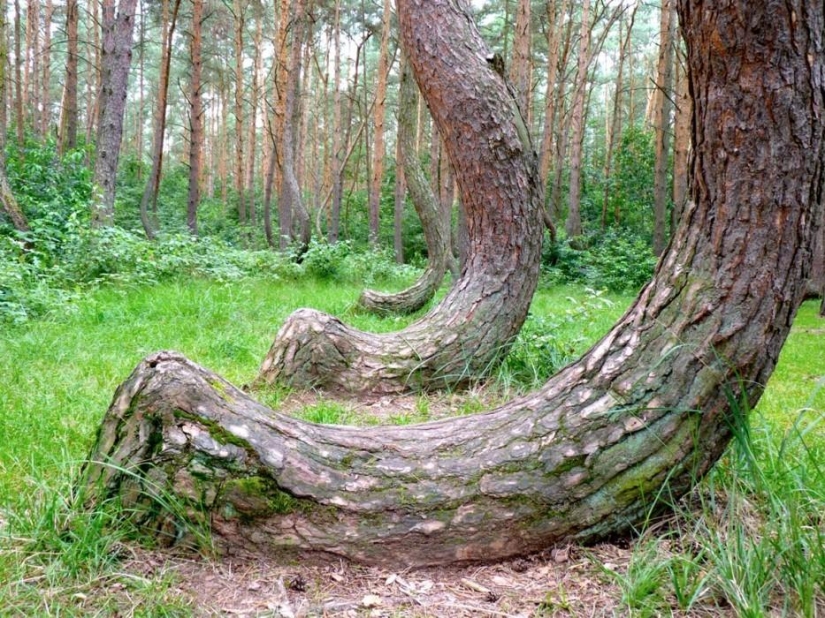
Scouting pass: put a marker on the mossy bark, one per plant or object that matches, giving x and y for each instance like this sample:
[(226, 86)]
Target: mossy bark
[(626, 429)]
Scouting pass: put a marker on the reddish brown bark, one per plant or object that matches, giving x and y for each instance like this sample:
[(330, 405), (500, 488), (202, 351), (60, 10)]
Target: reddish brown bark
[(587, 455)]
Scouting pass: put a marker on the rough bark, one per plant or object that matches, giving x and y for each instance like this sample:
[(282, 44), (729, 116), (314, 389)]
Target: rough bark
[(116, 59), (588, 454), (521, 63), (195, 119), (470, 331), (663, 106), (436, 227), (681, 145)]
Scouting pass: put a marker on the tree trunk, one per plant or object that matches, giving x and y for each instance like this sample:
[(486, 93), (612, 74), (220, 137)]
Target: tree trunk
[(150, 193), (573, 225), (338, 145), (520, 66), (45, 84), (681, 145), (615, 126), (436, 227), (471, 330), (239, 11), (8, 203), (115, 61), (195, 119), (292, 212), (378, 127), (68, 117), (661, 123), (552, 97), (585, 457)]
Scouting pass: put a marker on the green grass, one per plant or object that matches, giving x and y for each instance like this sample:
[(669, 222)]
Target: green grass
[(57, 376)]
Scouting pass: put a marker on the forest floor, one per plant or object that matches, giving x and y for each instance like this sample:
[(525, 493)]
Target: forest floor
[(715, 558), (568, 581)]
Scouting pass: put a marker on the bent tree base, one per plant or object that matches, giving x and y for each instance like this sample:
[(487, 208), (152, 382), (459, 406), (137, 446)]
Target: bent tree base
[(642, 415), (470, 331)]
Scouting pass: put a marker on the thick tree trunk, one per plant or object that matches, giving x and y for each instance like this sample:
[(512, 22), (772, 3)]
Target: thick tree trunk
[(116, 60), (587, 455), (436, 227), (466, 335)]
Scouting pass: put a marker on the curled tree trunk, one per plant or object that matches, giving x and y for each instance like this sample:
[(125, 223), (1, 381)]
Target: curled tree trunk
[(471, 329), (436, 227), (587, 455)]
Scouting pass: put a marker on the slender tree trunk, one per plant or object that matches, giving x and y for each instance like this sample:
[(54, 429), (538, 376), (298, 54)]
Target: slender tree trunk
[(8, 202), (663, 108), (573, 225), (615, 127), (436, 226), (195, 119), (150, 192), (555, 18), (644, 414), (46, 95), (116, 59), (400, 193), (94, 89), (18, 73), (33, 66), (252, 142), (378, 124), (239, 11), (520, 66), (68, 122), (338, 145)]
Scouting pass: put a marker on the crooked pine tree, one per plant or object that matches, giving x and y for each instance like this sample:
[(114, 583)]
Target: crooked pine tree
[(470, 331), (581, 458)]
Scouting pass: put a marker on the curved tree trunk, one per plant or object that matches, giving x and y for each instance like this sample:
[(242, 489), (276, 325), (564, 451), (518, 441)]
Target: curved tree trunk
[(471, 329), (435, 225), (587, 455)]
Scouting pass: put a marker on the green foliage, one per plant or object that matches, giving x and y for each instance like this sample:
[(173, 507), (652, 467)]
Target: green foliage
[(631, 184), (617, 261), (549, 341), (342, 262)]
